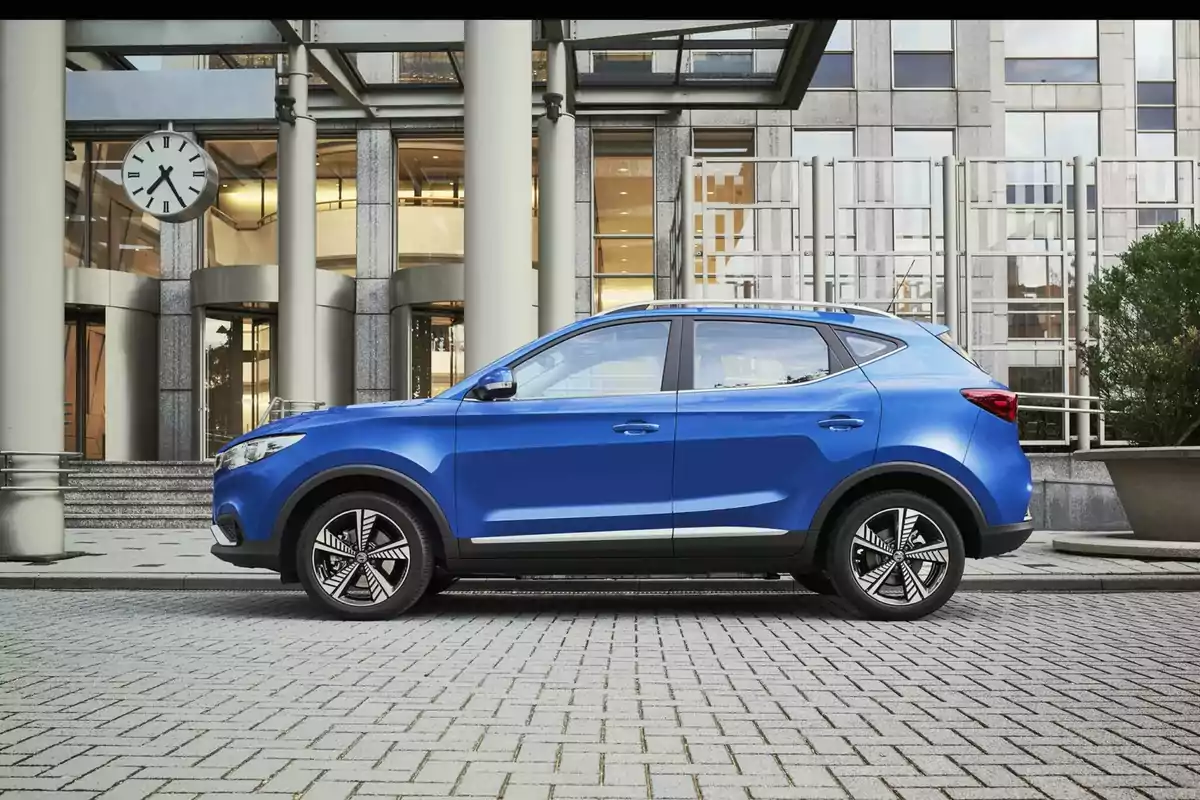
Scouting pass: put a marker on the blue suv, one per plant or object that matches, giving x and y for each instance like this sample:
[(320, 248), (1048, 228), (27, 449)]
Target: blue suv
[(864, 454)]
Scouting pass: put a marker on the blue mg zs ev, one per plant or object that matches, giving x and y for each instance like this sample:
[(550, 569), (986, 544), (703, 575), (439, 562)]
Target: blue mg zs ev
[(864, 454)]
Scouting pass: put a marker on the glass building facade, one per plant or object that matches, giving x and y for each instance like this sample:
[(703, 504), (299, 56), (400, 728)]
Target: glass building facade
[(391, 194)]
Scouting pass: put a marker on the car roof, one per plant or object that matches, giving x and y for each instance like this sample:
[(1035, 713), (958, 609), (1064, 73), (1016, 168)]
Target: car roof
[(877, 322)]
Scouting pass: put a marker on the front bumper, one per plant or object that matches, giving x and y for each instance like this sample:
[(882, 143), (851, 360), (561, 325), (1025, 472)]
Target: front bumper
[(1000, 539), (231, 548)]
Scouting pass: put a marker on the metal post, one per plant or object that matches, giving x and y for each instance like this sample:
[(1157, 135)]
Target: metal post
[(1083, 272), (950, 245), (32, 198), (687, 228), (498, 291), (556, 204), (298, 239), (818, 228)]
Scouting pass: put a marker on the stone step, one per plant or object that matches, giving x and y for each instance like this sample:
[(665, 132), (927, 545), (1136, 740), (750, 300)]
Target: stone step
[(104, 497), (175, 523), (183, 469), (156, 483), (133, 511)]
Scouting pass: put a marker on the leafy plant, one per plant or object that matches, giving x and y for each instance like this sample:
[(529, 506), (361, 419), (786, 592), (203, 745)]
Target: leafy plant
[(1145, 365)]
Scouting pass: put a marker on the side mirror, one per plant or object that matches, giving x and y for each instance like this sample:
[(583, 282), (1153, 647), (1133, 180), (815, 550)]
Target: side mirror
[(498, 384)]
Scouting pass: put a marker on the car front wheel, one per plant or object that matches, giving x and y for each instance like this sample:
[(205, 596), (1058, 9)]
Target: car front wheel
[(896, 556), (364, 556)]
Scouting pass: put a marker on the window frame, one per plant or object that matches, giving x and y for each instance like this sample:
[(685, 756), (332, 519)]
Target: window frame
[(670, 380), (687, 352)]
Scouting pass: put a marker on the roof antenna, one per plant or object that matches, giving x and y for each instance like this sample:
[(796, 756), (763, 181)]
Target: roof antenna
[(896, 293)]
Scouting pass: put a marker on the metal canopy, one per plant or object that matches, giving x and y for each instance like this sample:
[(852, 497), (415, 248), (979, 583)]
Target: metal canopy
[(617, 65)]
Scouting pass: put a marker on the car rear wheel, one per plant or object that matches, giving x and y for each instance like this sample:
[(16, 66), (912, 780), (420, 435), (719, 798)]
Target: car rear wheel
[(896, 556), (364, 556)]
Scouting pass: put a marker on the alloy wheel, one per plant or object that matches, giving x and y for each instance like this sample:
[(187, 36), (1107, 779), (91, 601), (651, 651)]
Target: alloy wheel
[(899, 556), (360, 557)]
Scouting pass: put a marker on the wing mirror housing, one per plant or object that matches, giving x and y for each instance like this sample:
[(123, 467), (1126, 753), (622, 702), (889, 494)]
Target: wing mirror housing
[(496, 384)]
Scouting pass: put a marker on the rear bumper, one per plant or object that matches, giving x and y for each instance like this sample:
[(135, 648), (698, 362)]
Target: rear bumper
[(1000, 539)]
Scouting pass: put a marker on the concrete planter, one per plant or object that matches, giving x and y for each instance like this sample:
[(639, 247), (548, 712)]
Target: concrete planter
[(1159, 488)]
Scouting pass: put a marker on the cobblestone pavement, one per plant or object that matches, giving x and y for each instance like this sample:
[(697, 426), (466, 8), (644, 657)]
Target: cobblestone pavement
[(186, 695)]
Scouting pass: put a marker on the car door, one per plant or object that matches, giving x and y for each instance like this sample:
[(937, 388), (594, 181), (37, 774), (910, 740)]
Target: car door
[(579, 461), (771, 416)]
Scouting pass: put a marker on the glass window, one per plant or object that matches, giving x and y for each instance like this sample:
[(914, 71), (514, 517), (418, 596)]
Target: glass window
[(922, 35), (623, 204), (922, 143), (923, 70), (103, 229), (730, 355), (842, 38), (922, 56), (1051, 70), (1155, 118), (1154, 49), (834, 71), (1160, 93), (732, 182), (864, 347), (824, 143), (1050, 38), (616, 359)]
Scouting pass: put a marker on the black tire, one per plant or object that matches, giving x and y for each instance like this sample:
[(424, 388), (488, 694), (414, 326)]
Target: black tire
[(440, 582), (815, 582), (846, 560), (362, 595)]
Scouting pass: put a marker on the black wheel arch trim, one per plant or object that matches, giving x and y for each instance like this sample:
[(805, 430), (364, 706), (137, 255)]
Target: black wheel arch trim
[(450, 544), (898, 467)]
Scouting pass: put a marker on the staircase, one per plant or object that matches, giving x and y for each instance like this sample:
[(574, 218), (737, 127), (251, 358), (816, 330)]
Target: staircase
[(140, 494)]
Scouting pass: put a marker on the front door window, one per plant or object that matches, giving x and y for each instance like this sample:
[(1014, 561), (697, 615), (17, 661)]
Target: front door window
[(612, 360)]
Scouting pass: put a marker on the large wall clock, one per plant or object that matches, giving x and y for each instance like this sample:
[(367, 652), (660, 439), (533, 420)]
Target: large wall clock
[(168, 175)]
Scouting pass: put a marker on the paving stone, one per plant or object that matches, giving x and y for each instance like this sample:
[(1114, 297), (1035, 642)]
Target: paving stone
[(190, 695)]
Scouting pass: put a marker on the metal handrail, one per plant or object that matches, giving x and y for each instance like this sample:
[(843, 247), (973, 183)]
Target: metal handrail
[(844, 307), (6, 469)]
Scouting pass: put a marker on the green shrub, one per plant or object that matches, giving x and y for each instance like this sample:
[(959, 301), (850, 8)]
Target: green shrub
[(1145, 365)]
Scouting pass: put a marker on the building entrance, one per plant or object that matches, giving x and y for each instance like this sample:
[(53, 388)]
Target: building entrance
[(437, 348), (238, 375), (84, 395)]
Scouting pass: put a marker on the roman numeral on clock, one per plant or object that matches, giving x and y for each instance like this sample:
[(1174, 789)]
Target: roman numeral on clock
[(166, 206)]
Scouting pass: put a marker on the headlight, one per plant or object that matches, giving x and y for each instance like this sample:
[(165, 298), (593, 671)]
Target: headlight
[(255, 450)]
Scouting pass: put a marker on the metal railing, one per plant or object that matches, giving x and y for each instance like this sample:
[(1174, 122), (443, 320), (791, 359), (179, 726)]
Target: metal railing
[(9, 469), (279, 408), (986, 246)]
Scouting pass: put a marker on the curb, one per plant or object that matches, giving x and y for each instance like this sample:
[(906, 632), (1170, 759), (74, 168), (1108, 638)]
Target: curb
[(1126, 582)]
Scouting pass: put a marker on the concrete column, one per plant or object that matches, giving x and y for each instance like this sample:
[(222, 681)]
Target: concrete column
[(498, 254), (298, 239), (556, 189), (32, 199)]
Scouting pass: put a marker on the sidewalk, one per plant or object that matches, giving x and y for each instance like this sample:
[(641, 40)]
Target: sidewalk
[(179, 559)]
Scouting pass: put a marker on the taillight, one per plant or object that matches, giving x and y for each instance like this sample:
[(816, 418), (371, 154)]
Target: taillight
[(997, 401)]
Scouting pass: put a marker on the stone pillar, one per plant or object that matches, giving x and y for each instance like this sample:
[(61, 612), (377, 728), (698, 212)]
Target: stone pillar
[(32, 227), (376, 259), (298, 239), (181, 390), (556, 189), (499, 139)]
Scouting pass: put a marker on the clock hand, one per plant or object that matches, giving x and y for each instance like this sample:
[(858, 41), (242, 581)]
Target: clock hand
[(153, 186), (174, 190)]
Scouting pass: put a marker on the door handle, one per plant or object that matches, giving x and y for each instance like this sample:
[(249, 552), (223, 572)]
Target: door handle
[(841, 423), (635, 428)]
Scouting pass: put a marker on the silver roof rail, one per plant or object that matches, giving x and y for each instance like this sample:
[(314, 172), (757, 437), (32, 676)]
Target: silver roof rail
[(843, 307)]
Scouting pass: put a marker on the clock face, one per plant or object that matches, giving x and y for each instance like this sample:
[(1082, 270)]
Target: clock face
[(170, 176)]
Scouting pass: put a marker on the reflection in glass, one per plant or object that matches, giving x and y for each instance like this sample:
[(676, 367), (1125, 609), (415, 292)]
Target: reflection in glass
[(238, 375), (613, 360), (240, 228), (437, 349), (842, 38), (834, 71), (1050, 38), (614, 292), (726, 230), (1051, 70), (623, 192), (103, 229), (923, 70), (1154, 49)]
